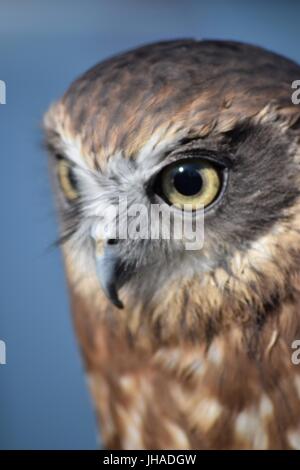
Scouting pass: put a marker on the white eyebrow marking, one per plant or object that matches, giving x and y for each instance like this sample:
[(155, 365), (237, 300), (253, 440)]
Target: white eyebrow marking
[(72, 150), (161, 141)]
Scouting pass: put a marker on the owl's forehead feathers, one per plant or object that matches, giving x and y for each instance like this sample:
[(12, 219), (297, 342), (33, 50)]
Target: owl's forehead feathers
[(145, 101)]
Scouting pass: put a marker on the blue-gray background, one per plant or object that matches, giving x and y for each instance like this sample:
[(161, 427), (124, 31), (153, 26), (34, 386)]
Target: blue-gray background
[(44, 45)]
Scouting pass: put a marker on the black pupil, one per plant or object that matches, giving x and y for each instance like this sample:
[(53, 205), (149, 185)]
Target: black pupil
[(72, 178), (187, 181)]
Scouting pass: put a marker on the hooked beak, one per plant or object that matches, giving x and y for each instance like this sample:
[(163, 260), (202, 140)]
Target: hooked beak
[(109, 271)]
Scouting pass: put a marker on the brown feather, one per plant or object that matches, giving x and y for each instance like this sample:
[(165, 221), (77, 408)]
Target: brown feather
[(206, 362)]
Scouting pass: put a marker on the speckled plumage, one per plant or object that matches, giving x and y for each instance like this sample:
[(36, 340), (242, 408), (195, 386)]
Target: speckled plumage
[(200, 356)]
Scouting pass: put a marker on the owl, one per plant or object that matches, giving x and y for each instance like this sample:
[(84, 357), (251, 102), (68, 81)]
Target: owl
[(184, 348)]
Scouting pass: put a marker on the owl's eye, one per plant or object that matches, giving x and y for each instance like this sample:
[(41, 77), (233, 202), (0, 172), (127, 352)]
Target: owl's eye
[(67, 179), (196, 182)]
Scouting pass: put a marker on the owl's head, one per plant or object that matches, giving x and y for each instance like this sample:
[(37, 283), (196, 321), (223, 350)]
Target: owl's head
[(204, 128)]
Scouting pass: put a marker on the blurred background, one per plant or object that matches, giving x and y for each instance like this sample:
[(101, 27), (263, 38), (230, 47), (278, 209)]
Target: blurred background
[(44, 45)]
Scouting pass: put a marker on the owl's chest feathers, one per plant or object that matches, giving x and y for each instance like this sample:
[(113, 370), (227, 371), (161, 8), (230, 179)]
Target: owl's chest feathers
[(237, 389)]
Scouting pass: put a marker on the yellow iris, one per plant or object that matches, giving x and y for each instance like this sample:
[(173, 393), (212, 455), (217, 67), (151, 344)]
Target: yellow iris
[(66, 180), (196, 182)]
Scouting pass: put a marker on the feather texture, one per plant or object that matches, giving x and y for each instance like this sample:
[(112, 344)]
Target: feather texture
[(201, 355)]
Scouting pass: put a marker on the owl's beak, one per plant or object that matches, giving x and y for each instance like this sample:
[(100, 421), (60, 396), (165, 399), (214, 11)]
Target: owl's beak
[(109, 270)]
